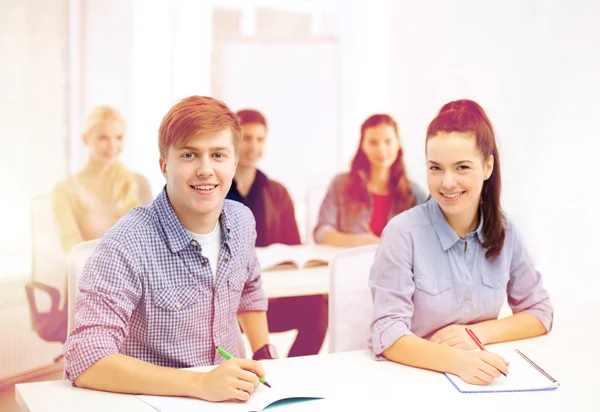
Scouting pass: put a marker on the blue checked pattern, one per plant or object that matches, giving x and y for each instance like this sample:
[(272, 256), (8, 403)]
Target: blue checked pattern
[(148, 292)]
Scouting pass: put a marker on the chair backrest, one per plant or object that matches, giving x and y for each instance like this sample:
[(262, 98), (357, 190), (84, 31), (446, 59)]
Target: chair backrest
[(77, 258), (350, 302), (314, 199), (49, 262)]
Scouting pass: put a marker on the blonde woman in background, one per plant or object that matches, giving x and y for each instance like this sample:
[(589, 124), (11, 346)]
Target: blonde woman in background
[(88, 203)]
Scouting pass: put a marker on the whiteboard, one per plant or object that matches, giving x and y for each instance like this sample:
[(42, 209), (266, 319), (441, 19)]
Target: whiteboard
[(295, 85)]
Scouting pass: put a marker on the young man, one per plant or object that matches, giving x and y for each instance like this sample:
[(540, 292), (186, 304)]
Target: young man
[(170, 281), (276, 223)]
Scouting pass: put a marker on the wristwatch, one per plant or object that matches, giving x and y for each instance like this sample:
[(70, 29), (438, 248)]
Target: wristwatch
[(266, 352)]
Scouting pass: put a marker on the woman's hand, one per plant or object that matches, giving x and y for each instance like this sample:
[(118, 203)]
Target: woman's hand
[(455, 336), (480, 367)]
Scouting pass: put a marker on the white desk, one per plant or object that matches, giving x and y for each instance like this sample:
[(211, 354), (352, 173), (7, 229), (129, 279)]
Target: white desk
[(354, 381), (296, 282)]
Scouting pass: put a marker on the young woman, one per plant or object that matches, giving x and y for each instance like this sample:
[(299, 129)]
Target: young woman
[(359, 204), (452, 261), (87, 204)]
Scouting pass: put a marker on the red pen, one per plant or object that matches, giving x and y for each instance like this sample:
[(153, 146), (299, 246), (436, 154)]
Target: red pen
[(478, 342)]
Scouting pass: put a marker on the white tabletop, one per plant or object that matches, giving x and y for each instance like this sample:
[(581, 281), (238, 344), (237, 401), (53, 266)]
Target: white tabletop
[(296, 282), (355, 381)]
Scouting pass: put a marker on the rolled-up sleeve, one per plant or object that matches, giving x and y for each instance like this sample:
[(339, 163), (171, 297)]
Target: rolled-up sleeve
[(109, 291), (253, 296), (392, 287), (328, 214), (525, 290)]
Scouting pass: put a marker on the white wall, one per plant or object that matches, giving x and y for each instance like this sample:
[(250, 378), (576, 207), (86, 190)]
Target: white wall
[(531, 64), (151, 55)]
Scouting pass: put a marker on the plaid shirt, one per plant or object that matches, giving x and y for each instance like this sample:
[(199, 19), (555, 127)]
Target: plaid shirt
[(148, 292)]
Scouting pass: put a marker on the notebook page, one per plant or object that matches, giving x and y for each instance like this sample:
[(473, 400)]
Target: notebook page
[(521, 377), (261, 398)]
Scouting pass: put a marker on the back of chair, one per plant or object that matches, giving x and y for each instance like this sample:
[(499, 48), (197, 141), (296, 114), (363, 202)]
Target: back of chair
[(77, 258), (49, 262), (350, 302), (314, 198)]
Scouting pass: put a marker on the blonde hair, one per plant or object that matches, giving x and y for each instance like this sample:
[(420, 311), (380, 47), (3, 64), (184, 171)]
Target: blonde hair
[(122, 188), (99, 115)]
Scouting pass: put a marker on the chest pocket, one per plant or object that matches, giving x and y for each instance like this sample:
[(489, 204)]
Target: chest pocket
[(496, 280), (494, 290), (432, 286), (176, 312), (236, 281)]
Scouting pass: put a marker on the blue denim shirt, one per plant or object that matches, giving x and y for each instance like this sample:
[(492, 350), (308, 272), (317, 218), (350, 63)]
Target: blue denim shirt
[(336, 212), (425, 277)]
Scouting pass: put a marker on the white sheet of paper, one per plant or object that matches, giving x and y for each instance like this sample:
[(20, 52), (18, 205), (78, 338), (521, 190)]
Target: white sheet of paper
[(259, 400), (521, 377)]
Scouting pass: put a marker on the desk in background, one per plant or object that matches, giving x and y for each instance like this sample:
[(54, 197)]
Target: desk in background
[(296, 282)]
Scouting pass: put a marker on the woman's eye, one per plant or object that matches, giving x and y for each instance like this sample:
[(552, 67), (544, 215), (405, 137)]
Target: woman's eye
[(434, 168)]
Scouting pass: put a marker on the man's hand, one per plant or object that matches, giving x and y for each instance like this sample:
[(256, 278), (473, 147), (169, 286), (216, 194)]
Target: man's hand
[(232, 379)]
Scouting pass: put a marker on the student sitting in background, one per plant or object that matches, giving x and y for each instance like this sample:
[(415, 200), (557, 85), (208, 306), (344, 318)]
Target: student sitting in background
[(87, 204), (359, 204), (273, 210), (170, 281), (452, 261)]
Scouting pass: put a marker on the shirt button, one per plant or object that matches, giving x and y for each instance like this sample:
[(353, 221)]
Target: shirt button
[(434, 290), (194, 243), (215, 334), (242, 285), (499, 283), (468, 301), (226, 260), (469, 250), (205, 263), (177, 305)]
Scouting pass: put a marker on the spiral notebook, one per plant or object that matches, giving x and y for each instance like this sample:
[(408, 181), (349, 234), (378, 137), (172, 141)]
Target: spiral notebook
[(524, 375)]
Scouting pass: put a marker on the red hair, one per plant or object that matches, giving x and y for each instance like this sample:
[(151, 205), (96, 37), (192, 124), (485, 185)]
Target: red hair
[(196, 115)]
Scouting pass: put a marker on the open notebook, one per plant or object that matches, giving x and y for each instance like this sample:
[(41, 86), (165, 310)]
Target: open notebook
[(260, 399), (280, 256), (523, 375)]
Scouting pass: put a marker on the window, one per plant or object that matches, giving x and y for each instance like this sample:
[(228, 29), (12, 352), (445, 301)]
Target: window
[(33, 119)]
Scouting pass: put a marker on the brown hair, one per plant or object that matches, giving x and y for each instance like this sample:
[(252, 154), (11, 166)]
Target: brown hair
[(357, 193), (194, 115), (246, 116), (466, 116)]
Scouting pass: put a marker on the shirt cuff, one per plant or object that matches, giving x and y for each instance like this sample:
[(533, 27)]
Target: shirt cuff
[(384, 336), (322, 231), (79, 356), (544, 312)]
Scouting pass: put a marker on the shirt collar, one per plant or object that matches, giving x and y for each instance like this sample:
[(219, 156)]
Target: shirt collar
[(177, 237), (445, 233)]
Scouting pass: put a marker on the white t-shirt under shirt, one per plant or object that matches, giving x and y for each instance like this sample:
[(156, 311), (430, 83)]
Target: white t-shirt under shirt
[(211, 245)]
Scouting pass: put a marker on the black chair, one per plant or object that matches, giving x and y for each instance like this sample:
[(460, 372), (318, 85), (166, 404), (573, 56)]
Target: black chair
[(50, 326)]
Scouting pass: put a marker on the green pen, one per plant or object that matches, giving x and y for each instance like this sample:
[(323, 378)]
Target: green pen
[(226, 355)]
